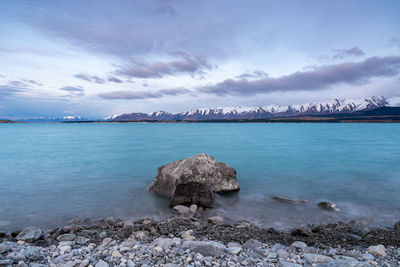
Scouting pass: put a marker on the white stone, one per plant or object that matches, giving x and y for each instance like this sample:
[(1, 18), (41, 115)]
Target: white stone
[(378, 250)]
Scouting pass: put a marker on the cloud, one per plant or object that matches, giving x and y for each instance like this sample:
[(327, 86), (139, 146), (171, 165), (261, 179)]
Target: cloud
[(114, 79), (74, 90), (316, 79), (254, 74), (352, 52), (144, 95), (187, 63), (7, 90), (88, 78)]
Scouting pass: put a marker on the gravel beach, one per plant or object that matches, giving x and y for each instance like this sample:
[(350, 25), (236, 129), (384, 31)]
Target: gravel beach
[(190, 239)]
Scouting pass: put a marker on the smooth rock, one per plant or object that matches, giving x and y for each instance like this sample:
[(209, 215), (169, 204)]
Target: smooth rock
[(299, 244), (117, 254), (285, 263), (102, 263), (192, 193), (234, 250), (282, 253), (30, 234), (182, 209), (188, 235), (84, 263), (233, 245), (66, 237), (206, 248), (80, 240), (16, 256), (316, 258), (215, 219), (289, 201), (165, 242), (7, 246), (378, 250), (252, 244), (200, 168), (328, 206), (193, 208)]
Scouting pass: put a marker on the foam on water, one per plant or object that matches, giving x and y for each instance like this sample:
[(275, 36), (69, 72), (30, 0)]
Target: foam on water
[(50, 173)]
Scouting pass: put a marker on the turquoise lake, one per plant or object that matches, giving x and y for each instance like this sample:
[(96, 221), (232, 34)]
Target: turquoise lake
[(50, 173)]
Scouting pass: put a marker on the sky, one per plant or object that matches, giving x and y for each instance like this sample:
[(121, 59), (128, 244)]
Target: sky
[(96, 58)]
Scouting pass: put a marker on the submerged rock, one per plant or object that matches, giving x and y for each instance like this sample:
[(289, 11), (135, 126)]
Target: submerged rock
[(201, 168), (192, 193), (328, 206), (289, 201)]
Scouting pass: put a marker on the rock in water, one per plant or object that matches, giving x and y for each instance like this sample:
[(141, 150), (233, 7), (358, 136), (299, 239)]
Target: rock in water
[(192, 193), (201, 168), (328, 206), (289, 201)]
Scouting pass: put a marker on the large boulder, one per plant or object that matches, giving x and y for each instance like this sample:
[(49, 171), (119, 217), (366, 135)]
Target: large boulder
[(192, 193), (201, 168)]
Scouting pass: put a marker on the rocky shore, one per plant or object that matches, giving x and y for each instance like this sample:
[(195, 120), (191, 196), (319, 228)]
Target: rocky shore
[(190, 239)]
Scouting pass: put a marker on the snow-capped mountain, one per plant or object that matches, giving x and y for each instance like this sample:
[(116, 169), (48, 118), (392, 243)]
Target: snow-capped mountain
[(269, 111), (72, 118), (50, 119)]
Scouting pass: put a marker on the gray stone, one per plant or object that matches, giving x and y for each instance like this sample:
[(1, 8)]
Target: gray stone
[(299, 244), (284, 263), (328, 206), (66, 237), (101, 263), (6, 263), (182, 209), (165, 242), (192, 193), (30, 234), (215, 219), (200, 168), (188, 235), (193, 208), (316, 258), (206, 248), (282, 253), (233, 245), (80, 240), (16, 256), (7, 246), (234, 250), (252, 244), (378, 250), (343, 263), (368, 257)]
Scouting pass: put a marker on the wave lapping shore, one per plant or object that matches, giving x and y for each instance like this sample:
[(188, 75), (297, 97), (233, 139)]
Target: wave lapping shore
[(198, 241)]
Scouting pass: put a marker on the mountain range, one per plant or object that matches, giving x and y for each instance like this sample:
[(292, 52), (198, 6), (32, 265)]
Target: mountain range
[(336, 106)]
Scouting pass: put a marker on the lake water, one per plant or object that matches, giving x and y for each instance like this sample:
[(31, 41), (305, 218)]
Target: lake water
[(50, 173)]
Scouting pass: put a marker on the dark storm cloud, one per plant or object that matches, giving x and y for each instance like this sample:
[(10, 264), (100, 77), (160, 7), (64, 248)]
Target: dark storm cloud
[(89, 78), (188, 64), (316, 79), (254, 74), (144, 95), (352, 52)]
